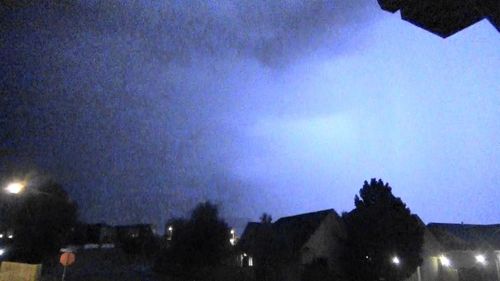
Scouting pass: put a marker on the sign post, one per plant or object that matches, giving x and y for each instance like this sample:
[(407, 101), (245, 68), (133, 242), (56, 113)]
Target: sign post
[(67, 259)]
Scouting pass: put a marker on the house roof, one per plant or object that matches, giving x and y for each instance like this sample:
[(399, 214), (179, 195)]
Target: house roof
[(466, 236), (294, 231), (249, 236), (445, 17), (291, 232)]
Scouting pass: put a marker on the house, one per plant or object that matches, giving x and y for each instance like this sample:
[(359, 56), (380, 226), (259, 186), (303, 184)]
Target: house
[(92, 234), (460, 252), (100, 233), (301, 239), (431, 268), (248, 245), (134, 231), (469, 251), (451, 252), (137, 239)]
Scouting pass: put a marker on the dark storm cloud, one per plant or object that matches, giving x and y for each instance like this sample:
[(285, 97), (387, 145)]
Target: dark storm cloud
[(176, 30), (127, 102)]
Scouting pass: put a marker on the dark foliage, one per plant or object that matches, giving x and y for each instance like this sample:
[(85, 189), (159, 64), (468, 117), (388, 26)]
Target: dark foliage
[(138, 240), (146, 246), (42, 220), (266, 218), (197, 245), (380, 228)]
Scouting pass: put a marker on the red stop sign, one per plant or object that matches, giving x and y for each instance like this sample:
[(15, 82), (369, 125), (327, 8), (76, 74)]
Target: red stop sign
[(67, 259)]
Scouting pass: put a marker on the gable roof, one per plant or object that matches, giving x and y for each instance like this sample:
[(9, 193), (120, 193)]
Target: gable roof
[(295, 231), (466, 236), (291, 233), (247, 241)]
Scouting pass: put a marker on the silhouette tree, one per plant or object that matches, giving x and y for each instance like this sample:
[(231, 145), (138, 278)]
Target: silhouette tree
[(41, 222), (198, 245), (384, 239), (266, 218)]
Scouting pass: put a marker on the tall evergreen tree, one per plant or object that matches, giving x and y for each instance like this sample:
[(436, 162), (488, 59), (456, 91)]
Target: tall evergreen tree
[(384, 238)]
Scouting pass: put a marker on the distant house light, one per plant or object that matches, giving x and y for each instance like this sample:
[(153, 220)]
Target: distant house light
[(11, 236), (170, 232), (395, 260), (1, 235), (233, 240), (481, 259), (250, 261), (2, 251), (445, 261)]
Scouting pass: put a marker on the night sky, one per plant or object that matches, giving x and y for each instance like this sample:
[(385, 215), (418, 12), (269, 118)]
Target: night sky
[(141, 109)]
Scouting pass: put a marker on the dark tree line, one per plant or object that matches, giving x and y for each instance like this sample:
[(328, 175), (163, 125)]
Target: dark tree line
[(198, 244), (40, 219)]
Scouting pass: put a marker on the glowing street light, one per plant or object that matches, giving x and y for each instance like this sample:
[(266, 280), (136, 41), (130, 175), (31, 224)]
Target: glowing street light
[(445, 261), (481, 259), (395, 260), (170, 232), (15, 187)]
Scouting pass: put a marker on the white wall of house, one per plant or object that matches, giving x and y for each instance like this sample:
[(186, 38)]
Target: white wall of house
[(325, 241), (497, 253), (431, 269)]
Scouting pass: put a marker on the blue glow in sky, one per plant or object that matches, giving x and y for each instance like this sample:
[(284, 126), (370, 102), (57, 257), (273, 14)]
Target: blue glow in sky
[(284, 108), (418, 111)]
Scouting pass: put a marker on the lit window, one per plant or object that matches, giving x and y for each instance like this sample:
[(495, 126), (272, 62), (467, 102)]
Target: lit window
[(250, 261), (11, 236), (232, 240)]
